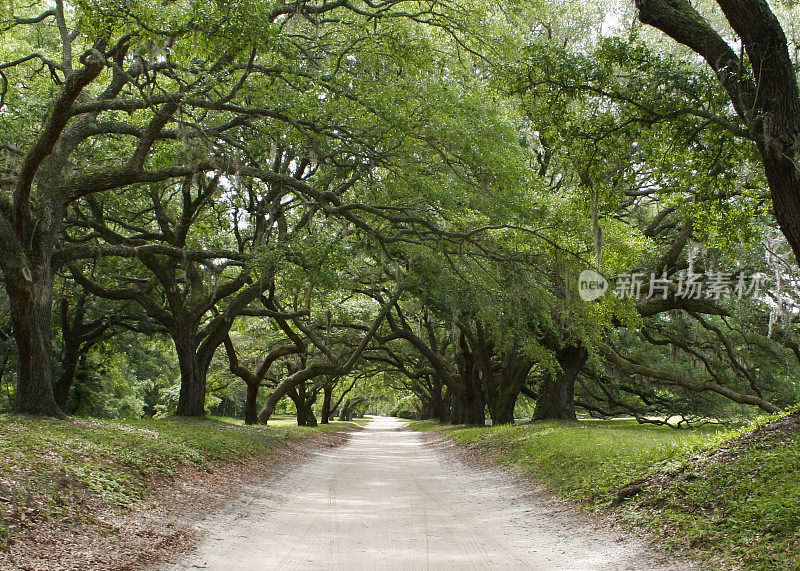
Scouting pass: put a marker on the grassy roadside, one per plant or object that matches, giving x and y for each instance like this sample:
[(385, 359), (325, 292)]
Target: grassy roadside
[(63, 470), (727, 497), (290, 421)]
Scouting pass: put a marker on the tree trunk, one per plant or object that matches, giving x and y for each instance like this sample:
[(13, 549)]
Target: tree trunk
[(192, 399), (326, 404), (459, 407), (476, 406), (438, 402), (78, 338), (31, 305), (69, 365), (441, 411), (469, 401), (501, 409), (298, 406), (346, 413), (303, 402), (447, 405), (305, 416), (557, 395), (468, 406), (766, 97), (79, 384), (308, 414), (251, 403), (506, 385)]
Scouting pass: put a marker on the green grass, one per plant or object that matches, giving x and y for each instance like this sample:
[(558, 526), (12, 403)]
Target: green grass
[(288, 420), (588, 461), (48, 463), (742, 508)]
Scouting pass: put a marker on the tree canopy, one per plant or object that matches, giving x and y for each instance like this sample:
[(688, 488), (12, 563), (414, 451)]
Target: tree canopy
[(331, 207)]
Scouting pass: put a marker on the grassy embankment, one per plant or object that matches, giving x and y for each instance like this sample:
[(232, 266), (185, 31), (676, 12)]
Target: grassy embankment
[(46, 466), (731, 497)]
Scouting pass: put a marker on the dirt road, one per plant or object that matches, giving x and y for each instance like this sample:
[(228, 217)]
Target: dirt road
[(385, 500)]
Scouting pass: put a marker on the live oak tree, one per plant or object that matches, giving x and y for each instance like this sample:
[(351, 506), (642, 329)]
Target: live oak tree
[(83, 322), (761, 84), (354, 198), (603, 170), (328, 363), (47, 168), (194, 294), (611, 130), (255, 377), (298, 332), (131, 95)]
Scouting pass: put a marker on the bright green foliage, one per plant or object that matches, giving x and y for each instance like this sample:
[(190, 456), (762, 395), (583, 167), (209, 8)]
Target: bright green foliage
[(474, 157)]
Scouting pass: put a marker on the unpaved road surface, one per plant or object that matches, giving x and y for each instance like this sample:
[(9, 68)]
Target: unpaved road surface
[(386, 500)]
